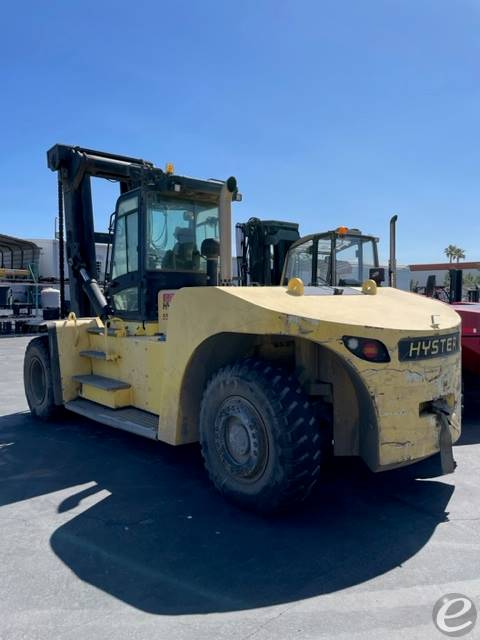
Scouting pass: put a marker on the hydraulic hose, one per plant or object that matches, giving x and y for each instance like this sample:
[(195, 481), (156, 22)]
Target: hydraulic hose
[(95, 295)]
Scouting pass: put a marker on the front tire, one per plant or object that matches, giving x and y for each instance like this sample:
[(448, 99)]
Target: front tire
[(260, 437), (38, 380)]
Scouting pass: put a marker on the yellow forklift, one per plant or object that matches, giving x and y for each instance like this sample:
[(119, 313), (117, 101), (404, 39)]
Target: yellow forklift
[(271, 380)]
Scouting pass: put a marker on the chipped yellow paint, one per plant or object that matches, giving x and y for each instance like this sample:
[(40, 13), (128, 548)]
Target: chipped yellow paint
[(155, 358), (140, 364)]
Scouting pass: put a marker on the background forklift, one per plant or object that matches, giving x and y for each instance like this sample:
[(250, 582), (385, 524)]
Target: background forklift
[(340, 257), (267, 378)]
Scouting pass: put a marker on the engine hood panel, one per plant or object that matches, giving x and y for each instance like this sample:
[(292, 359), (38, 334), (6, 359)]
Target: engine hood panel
[(388, 309)]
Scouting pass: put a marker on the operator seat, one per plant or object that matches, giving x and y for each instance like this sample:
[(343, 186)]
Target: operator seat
[(185, 254)]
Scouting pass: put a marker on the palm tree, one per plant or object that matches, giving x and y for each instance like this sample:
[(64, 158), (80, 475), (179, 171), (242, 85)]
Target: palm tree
[(450, 252), (453, 252)]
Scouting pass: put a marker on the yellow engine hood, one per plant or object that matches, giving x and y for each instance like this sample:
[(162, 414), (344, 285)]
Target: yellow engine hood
[(388, 309)]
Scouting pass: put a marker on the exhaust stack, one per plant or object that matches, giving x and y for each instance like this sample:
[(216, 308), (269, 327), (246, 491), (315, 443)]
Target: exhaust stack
[(392, 263)]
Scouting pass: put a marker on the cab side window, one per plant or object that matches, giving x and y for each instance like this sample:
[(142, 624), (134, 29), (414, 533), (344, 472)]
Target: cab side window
[(300, 263), (125, 250), (125, 256)]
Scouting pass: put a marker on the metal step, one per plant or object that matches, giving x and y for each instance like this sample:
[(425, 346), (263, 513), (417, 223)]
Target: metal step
[(128, 419), (101, 382), (96, 355)]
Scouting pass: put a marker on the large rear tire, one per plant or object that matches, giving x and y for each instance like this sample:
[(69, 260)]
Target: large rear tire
[(38, 381), (260, 437)]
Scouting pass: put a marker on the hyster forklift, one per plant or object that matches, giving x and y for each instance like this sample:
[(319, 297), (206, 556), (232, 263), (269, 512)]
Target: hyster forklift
[(271, 380)]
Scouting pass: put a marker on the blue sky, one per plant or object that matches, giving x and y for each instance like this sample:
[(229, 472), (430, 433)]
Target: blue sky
[(328, 112)]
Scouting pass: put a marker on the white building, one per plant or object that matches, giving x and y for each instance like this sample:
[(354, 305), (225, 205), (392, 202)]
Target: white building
[(48, 267)]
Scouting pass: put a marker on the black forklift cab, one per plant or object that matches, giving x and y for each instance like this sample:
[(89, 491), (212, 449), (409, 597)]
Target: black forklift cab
[(158, 244), (339, 258)]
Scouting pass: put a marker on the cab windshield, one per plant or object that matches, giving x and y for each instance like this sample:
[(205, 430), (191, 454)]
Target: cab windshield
[(354, 256), (175, 231)]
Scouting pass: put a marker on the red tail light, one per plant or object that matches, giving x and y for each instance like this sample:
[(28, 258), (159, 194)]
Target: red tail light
[(366, 349)]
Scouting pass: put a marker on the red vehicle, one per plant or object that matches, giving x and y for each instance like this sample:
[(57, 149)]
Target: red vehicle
[(469, 311), (470, 314)]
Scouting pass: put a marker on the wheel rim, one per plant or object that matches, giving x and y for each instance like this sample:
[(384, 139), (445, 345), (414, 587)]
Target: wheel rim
[(38, 382), (241, 439)]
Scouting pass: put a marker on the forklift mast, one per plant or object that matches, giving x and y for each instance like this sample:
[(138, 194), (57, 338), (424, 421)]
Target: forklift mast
[(262, 247), (76, 166)]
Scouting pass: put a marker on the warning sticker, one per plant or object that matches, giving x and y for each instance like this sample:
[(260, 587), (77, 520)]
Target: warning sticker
[(166, 298)]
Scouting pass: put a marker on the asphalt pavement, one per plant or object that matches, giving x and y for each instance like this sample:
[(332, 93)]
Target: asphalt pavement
[(105, 535)]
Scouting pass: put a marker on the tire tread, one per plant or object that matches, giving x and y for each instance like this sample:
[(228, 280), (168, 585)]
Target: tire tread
[(295, 432), (48, 410)]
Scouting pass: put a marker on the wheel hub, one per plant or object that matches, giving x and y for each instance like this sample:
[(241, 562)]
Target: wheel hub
[(240, 438)]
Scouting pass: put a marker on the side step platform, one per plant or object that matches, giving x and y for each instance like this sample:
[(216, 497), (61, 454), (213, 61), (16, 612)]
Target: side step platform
[(101, 382), (111, 393), (129, 419), (98, 355)]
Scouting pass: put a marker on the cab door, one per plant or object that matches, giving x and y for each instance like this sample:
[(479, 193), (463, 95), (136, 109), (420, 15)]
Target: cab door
[(124, 287)]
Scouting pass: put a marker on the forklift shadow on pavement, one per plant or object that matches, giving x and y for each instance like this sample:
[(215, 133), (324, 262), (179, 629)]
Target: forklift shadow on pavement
[(162, 540)]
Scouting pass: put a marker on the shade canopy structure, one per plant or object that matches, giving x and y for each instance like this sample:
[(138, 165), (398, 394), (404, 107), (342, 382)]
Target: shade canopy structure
[(16, 253)]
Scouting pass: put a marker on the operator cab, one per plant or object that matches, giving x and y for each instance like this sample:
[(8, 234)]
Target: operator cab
[(343, 257), (166, 238), (158, 244)]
